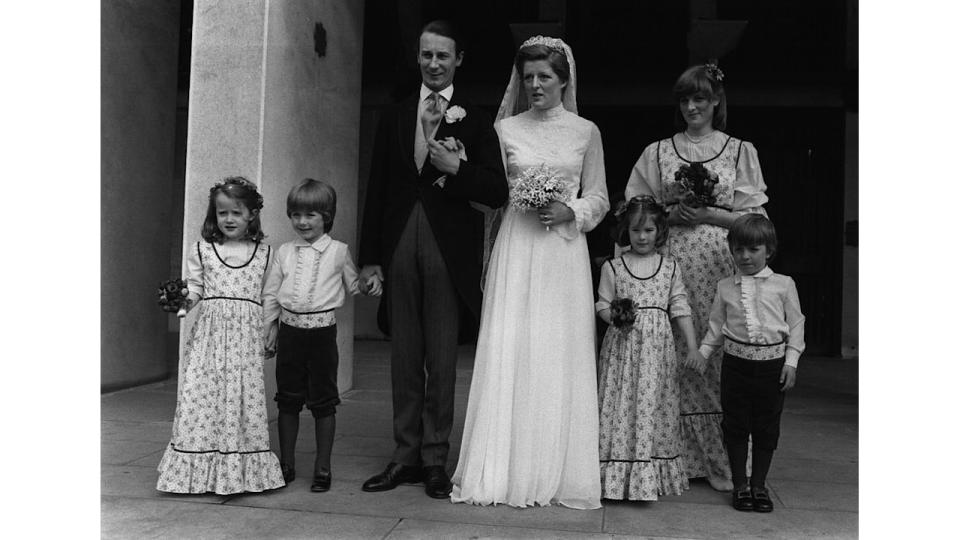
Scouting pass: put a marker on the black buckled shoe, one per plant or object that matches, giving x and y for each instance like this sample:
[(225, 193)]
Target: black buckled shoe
[(289, 473), (761, 500), (743, 499), (437, 482), (394, 475), (321, 481)]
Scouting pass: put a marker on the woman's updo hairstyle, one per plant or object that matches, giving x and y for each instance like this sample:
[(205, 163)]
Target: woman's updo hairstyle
[(705, 80), (556, 58)]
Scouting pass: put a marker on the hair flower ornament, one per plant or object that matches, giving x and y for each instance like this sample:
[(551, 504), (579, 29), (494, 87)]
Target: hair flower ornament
[(714, 71), (455, 114)]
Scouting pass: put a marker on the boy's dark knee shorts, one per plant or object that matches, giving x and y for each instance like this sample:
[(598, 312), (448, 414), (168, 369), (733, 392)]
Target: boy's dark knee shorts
[(307, 361), (752, 401)]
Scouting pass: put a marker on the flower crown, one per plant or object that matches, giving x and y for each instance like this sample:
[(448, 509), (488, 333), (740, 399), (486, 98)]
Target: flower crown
[(549, 42), (714, 71), (233, 183)]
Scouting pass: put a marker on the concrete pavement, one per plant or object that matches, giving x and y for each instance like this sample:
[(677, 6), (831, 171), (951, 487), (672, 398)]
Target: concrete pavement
[(814, 478)]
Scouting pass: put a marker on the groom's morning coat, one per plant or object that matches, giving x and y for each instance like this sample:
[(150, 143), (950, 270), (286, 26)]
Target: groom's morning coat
[(395, 185)]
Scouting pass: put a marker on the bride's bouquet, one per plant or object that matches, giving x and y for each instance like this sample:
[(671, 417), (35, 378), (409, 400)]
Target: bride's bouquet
[(695, 185), (173, 297), (623, 312), (537, 187)]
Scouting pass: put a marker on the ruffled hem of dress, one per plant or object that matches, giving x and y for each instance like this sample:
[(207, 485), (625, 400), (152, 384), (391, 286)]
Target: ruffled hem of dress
[(223, 474), (643, 480), (577, 504), (704, 452)]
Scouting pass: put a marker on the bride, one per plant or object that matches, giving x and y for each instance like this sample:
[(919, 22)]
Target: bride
[(531, 432)]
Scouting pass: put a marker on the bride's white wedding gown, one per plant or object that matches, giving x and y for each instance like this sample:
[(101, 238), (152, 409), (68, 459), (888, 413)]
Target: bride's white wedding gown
[(531, 432)]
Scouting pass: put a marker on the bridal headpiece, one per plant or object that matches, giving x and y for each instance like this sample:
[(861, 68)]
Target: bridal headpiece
[(552, 43), (514, 98)]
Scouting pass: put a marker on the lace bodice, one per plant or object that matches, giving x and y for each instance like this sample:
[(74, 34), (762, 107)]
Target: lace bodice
[(570, 145)]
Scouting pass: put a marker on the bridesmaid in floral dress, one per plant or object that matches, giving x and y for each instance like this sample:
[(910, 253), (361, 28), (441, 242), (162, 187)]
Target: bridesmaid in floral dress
[(698, 241), (220, 441)]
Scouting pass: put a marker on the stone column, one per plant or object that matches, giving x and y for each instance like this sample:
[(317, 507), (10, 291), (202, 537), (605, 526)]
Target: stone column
[(138, 103), (266, 105)]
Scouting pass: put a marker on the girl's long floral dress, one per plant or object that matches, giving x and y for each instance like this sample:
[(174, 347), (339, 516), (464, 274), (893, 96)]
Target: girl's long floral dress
[(641, 454), (220, 441)]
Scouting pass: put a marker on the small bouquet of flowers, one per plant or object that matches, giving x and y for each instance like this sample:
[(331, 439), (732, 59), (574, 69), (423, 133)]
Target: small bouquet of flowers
[(537, 187), (173, 297), (623, 312), (695, 185)]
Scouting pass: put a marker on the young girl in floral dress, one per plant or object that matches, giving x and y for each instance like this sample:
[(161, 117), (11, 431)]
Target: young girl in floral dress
[(220, 441), (640, 292)]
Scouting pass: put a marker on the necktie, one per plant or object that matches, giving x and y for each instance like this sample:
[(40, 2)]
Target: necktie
[(431, 115)]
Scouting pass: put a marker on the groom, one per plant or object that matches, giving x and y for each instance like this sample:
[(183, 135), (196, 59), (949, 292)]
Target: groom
[(422, 241)]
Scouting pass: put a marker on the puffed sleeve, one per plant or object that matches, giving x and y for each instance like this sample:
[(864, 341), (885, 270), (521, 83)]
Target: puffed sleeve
[(194, 266), (679, 307), (749, 190), (607, 290), (351, 278), (645, 176), (593, 203), (271, 288)]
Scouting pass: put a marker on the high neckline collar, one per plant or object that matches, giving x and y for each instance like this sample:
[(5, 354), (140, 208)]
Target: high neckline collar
[(764, 273), (548, 114)]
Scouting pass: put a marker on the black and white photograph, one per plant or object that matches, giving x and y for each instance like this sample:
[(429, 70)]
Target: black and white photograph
[(488, 269)]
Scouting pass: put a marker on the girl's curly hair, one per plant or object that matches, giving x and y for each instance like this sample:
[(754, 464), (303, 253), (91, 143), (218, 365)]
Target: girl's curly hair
[(244, 192)]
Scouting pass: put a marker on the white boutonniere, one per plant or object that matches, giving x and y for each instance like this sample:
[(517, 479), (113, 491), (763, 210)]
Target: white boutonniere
[(455, 114)]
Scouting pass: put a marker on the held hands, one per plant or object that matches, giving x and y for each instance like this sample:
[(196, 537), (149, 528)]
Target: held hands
[(270, 340), (788, 377), (445, 154), (695, 361), (555, 213), (371, 280)]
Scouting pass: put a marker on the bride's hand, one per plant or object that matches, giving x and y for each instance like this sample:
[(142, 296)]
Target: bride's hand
[(555, 213)]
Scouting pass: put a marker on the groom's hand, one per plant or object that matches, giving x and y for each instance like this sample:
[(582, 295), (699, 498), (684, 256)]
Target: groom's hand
[(443, 158), (371, 278)]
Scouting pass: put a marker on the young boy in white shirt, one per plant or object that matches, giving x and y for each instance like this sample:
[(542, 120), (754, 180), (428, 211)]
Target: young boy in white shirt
[(308, 280), (756, 318)]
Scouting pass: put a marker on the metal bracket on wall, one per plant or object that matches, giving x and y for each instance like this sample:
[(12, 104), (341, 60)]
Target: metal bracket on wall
[(319, 40)]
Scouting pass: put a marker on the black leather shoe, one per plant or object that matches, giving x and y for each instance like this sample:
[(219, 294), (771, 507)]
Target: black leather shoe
[(743, 499), (321, 481), (437, 482), (761, 500), (289, 473), (394, 475)]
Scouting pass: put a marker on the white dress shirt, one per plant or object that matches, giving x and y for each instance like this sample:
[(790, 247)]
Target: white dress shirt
[(761, 309), (309, 278)]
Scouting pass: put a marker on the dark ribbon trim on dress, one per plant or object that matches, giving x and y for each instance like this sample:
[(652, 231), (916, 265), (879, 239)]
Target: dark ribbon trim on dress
[(175, 449), (231, 298), (634, 276), (720, 153), (639, 460)]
